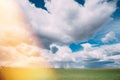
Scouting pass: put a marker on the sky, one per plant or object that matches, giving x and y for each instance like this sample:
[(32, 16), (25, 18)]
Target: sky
[(77, 33)]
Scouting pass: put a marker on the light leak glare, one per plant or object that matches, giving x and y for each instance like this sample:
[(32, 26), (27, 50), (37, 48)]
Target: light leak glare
[(20, 58)]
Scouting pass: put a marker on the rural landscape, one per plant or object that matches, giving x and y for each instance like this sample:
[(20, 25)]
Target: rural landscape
[(88, 74)]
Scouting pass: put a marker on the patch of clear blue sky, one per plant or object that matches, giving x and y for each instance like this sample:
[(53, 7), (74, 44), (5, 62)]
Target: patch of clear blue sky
[(96, 39), (39, 4), (80, 1), (116, 14), (75, 47)]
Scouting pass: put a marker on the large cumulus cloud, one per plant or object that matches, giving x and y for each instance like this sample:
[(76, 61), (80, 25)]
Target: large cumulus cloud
[(67, 21)]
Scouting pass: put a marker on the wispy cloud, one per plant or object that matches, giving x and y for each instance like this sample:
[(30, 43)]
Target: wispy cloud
[(89, 57), (111, 36)]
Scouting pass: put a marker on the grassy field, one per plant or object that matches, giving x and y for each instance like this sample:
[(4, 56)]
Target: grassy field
[(88, 74)]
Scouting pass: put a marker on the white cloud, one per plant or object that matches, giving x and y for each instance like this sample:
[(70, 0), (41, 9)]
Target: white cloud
[(109, 37), (106, 55), (68, 21), (22, 55), (86, 46)]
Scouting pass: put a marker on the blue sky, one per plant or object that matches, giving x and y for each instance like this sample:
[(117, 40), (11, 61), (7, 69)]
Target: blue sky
[(78, 27)]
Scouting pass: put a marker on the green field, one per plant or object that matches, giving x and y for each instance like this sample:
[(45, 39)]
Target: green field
[(88, 74)]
